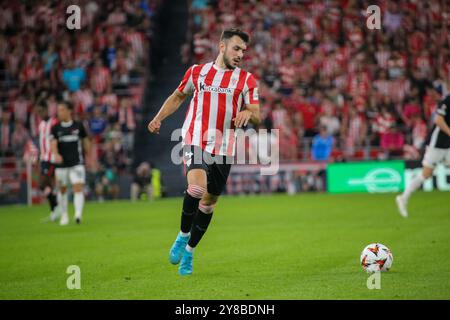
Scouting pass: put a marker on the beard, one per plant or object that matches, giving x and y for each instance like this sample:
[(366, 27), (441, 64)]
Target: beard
[(227, 62)]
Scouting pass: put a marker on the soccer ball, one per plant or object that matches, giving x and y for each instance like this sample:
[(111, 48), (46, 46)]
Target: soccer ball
[(376, 257)]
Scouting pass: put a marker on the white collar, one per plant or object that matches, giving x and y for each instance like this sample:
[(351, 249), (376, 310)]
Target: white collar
[(66, 124)]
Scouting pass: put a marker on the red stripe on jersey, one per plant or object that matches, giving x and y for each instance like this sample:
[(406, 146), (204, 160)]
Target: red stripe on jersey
[(195, 75), (190, 132), (251, 84), (237, 92), (221, 109), (206, 106)]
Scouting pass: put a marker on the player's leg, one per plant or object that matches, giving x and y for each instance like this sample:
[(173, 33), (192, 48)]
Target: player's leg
[(46, 185), (217, 179), (202, 219), (199, 227), (77, 176), (418, 180), (135, 189), (62, 179), (53, 195), (196, 179), (431, 158)]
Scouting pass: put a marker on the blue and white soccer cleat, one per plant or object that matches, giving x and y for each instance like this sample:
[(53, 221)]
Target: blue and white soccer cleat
[(176, 252), (185, 268)]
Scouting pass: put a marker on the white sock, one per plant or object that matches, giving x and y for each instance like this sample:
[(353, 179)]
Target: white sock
[(62, 202), (413, 186), (78, 202), (189, 248), (184, 234), (54, 215)]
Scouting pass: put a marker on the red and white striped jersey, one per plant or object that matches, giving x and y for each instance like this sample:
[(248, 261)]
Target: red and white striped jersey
[(99, 79), (45, 127), (218, 95)]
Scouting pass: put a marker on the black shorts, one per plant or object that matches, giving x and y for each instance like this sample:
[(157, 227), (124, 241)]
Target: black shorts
[(47, 169), (217, 167)]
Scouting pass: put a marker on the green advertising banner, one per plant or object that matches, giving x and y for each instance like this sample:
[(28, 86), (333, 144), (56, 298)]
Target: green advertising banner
[(372, 177)]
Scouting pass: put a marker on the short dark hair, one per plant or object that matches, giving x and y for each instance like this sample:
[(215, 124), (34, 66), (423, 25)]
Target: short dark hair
[(67, 104), (42, 103), (229, 33)]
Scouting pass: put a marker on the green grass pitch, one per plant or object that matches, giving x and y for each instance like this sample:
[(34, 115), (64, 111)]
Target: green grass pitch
[(258, 247)]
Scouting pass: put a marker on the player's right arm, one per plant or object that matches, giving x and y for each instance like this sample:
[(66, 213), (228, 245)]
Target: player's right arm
[(54, 148), (174, 101), (54, 145)]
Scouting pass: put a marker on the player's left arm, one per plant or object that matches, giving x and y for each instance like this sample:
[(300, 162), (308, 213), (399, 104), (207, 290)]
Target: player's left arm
[(251, 110), (87, 145), (440, 122), (255, 117), (442, 116), (85, 139)]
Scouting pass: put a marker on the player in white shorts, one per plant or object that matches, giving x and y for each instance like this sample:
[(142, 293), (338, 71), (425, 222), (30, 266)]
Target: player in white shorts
[(68, 139), (437, 150)]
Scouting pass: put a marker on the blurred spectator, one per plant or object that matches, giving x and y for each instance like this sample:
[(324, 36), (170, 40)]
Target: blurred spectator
[(111, 101), (113, 156), (97, 123), (84, 99), (385, 122), (392, 142), (100, 79), (354, 130), (73, 77), (41, 60), (320, 50), (309, 114), (142, 182), (110, 52), (328, 119), (49, 57), (122, 66), (107, 185), (127, 119), (21, 106), (322, 145), (6, 131), (392, 17), (19, 139), (410, 111)]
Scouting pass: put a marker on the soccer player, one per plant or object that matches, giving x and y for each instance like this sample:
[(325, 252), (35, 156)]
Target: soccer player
[(67, 139), (225, 97), (47, 176), (438, 149)]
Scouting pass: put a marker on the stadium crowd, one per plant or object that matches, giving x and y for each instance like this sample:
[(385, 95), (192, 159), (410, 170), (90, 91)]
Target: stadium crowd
[(100, 68), (335, 89)]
